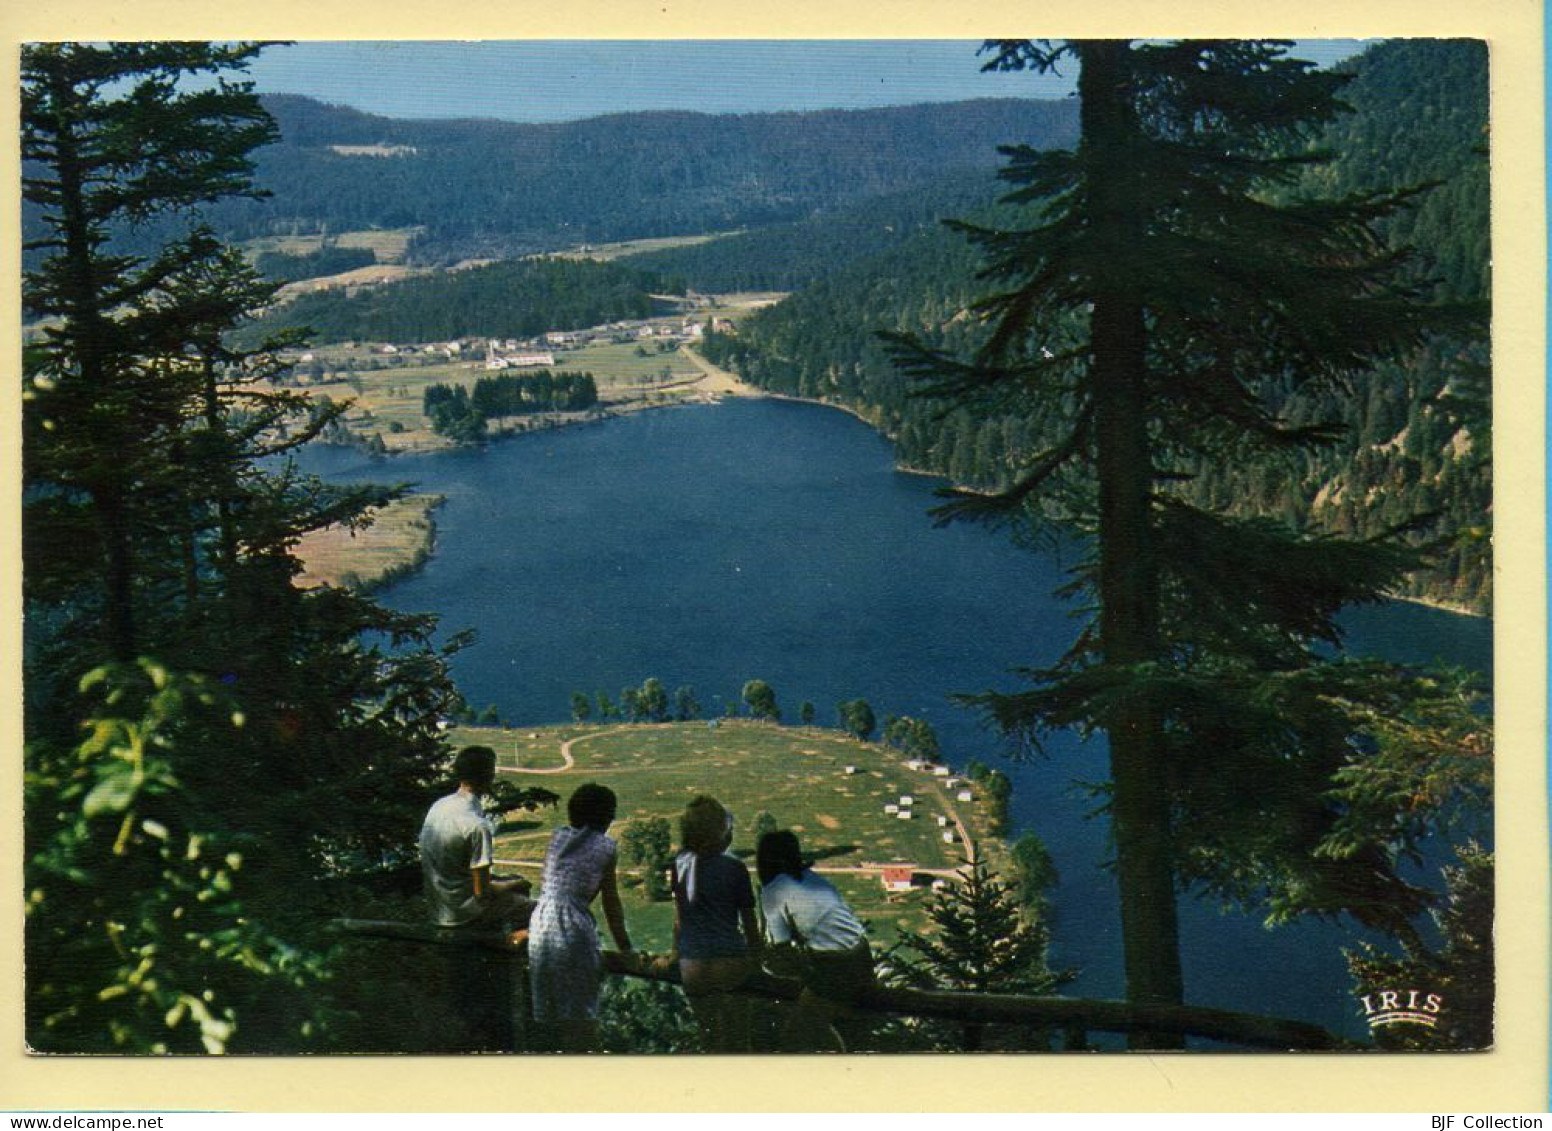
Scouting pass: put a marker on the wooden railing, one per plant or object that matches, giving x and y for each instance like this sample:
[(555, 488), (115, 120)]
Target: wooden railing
[(1074, 1017)]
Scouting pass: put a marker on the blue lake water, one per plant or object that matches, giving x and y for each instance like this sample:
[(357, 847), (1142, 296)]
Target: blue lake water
[(774, 540)]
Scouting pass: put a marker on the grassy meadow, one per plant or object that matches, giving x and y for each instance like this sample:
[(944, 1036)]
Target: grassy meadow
[(398, 541), (388, 244), (797, 774)]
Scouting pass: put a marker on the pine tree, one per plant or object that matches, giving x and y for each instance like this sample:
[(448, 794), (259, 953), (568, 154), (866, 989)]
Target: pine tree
[(982, 941), (227, 708), (100, 410), (1167, 279)]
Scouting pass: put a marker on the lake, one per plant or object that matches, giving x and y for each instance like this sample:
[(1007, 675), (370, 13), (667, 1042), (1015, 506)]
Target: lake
[(774, 540)]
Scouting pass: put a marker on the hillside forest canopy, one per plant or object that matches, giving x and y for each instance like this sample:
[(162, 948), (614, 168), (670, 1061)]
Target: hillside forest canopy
[(1220, 320)]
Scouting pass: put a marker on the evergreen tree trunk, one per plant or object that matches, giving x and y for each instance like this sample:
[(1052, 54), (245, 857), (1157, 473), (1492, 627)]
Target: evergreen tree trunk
[(89, 330), (1128, 571)]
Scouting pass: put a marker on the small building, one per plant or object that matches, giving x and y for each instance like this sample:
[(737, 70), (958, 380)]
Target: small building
[(953, 783), (849, 770), (891, 808), (907, 799), (950, 836), (942, 821), (916, 764), (897, 877), (941, 771), (964, 795), (904, 814)]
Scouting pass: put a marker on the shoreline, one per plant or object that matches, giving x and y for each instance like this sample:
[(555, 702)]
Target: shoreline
[(743, 390)]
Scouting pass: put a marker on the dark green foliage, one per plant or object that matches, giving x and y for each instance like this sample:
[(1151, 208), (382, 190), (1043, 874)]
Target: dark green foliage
[(1035, 874), (983, 940), (648, 844), (630, 705), (131, 868), (913, 736), (1460, 970), (509, 300), (504, 797), (513, 394), (806, 713), (857, 718), (785, 257), (453, 415), (488, 188), (606, 708), (641, 1017), (581, 707), (761, 700), (178, 850), (685, 705), (332, 259), (653, 701), (998, 790)]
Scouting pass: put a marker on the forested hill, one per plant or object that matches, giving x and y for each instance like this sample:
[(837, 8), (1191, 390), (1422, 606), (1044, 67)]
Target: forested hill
[(1416, 433), (786, 257), (502, 188)]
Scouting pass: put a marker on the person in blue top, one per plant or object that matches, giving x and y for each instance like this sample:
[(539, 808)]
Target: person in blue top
[(804, 909), (715, 929)]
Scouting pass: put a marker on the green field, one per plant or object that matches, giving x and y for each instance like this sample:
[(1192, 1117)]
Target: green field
[(389, 244), (606, 252), (797, 774)]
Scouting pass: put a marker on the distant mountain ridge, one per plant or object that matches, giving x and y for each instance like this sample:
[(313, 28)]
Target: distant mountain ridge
[(493, 188)]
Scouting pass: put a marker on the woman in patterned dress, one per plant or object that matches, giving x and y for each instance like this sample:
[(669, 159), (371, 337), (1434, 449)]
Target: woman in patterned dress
[(564, 957)]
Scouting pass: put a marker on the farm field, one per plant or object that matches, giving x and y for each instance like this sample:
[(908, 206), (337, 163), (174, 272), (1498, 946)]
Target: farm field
[(388, 244), (606, 252), (797, 774)]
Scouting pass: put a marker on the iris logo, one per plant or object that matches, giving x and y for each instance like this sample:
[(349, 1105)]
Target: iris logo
[(1401, 1007)]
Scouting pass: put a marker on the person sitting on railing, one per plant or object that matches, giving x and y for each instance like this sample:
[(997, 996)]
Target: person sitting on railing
[(563, 952), (457, 849), (715, 929), (836, 963)]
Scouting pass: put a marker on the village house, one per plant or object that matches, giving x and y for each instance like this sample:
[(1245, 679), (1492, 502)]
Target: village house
[(897, 877), (965, 795)]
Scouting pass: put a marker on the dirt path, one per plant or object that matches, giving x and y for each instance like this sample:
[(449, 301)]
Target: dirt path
[(718, 381), (565, 754)]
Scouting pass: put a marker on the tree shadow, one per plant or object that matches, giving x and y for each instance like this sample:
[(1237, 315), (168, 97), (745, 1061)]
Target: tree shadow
[(816, 854)]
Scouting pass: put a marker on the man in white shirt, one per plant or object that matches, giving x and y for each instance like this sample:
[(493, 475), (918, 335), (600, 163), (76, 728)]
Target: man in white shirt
[(457, 849), (803, 907)]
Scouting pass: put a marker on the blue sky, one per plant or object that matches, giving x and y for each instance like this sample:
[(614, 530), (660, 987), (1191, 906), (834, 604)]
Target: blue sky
[(546, 81)]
